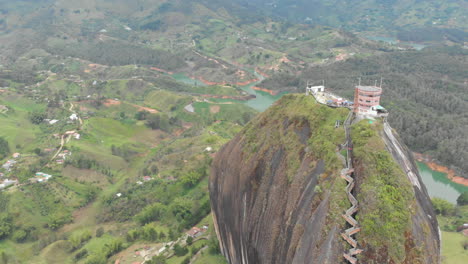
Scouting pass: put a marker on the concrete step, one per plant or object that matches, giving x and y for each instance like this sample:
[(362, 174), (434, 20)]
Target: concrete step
[(350, 240), (353, 230), (352, 210), (350, 220), (350, 258), (355, 251)]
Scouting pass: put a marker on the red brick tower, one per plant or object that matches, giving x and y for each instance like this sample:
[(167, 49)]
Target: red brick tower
[(367, 99)]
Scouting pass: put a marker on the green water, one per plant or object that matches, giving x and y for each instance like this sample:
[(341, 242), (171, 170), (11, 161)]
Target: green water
[(438, 185), (187, 80), (262, 101)]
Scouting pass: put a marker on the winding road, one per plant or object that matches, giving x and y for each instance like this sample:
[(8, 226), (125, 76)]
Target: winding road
[(66, 137)]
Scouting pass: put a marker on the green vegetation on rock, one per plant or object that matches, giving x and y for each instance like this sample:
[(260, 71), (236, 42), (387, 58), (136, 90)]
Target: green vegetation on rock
[(385, 195), (311, 117)]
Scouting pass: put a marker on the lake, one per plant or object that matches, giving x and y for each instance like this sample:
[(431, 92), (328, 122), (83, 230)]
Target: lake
[(438, 185)]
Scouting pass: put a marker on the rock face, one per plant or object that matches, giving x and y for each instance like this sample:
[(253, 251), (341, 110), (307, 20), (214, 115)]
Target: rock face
[(277, 195)]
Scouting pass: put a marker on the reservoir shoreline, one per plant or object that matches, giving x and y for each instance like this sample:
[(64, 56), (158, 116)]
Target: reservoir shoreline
[(450, 174)]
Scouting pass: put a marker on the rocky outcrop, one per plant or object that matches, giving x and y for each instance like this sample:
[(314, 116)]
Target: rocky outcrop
[(277, 195), (423, 219)]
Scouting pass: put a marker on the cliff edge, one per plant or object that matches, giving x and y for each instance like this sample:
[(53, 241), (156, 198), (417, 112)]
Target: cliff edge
[(277, 195)]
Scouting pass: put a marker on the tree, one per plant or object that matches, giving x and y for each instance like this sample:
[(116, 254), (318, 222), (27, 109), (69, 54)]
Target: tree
[(158, 121), (150, 213), (37, 151), (5, 225), (172, 235), (157, 260), (113, 247), (150, 233), (462, 199), (96, 258), (81, 254), (100, 232), (20, 236), (154, 169), (79, 238), (162, 236), (189, 240), (213, 245), (443, 207), (179, 250), (190, 179), (4, 148), (37, 117), (141, 115), (181, 209)]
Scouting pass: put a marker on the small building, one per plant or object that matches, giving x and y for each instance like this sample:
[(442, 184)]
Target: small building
[(42, 177), (315, 89), (6, 183), (194, 232), (9, 165), (147, 178), (73, 117), (16, 155)]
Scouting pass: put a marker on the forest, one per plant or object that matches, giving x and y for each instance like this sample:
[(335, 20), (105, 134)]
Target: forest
[(119, 53)]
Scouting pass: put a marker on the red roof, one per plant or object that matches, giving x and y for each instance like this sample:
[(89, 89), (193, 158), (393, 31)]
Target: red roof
[(194, 231)]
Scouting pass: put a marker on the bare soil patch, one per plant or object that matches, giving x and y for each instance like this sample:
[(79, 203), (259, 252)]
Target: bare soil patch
[(215, 109)]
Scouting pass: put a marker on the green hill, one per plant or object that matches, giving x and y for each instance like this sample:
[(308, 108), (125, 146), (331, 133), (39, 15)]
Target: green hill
[(159, 87), (410, 20)]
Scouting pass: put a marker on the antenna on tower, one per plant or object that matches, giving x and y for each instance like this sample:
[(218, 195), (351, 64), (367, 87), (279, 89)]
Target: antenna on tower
[(381, 82), (323, 83), (359, 81), (375, 84)]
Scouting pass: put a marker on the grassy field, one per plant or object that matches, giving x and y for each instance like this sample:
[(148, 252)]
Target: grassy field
[(164, 100), (452, 248), (207, 258), (16, 128)]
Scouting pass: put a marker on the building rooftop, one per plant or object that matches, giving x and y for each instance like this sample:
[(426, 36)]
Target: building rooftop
[(369, 88)]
